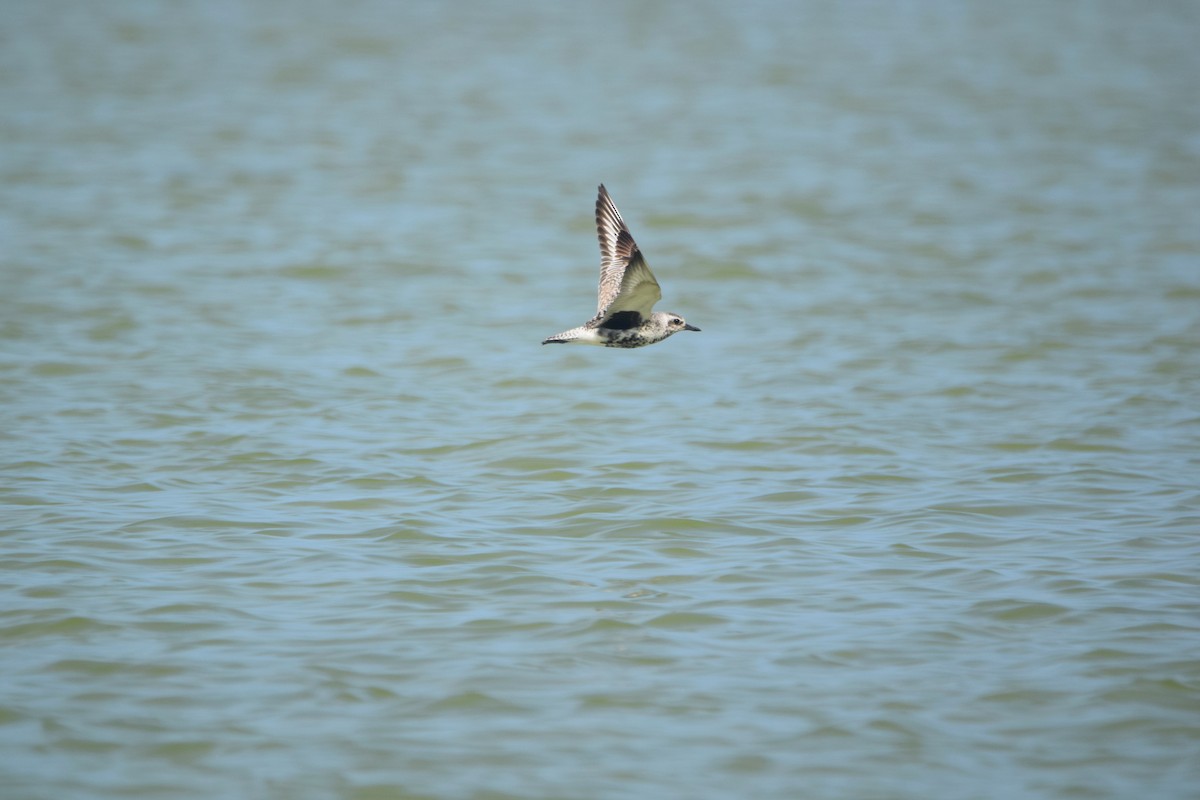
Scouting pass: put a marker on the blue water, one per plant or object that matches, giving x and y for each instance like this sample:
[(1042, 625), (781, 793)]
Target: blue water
[(295, 505)]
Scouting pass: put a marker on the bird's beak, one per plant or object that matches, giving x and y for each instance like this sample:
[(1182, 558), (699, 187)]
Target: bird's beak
[(691, 328)]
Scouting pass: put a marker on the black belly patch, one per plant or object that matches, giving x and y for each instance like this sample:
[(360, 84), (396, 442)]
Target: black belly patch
[(622, 321)]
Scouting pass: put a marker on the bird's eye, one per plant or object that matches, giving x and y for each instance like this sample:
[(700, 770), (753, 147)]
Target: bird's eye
[(677, 321)]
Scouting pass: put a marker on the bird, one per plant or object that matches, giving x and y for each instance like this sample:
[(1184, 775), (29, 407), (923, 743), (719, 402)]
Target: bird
[(627, 291)]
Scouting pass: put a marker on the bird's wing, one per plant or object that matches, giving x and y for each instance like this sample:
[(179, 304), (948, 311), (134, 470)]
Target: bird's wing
[(626, 283)]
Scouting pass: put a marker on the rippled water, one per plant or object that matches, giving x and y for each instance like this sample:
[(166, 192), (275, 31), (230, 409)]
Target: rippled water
[(296, 505)]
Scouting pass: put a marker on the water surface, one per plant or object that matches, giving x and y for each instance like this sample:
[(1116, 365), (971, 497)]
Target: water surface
[(296, 506)]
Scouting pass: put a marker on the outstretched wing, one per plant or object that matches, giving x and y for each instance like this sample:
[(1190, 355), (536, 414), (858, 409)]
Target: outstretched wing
[(626, 283)]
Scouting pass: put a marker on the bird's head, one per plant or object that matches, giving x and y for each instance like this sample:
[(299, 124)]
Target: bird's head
[(674, 322)]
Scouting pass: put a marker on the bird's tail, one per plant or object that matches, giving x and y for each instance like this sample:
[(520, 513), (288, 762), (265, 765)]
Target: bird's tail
[(566, 337)]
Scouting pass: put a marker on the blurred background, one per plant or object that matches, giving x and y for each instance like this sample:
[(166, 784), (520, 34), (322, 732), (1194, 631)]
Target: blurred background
[(296, 506)]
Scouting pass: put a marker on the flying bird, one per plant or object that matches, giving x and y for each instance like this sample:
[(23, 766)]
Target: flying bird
[(627, 293)]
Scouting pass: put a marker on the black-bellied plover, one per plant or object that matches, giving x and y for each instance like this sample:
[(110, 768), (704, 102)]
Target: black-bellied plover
[(627, 291)]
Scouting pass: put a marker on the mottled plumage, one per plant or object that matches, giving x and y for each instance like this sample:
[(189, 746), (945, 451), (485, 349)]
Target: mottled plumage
[(627, 291)]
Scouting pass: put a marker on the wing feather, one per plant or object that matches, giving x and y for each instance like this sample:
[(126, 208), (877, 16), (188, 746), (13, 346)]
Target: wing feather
[(626, 282)]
